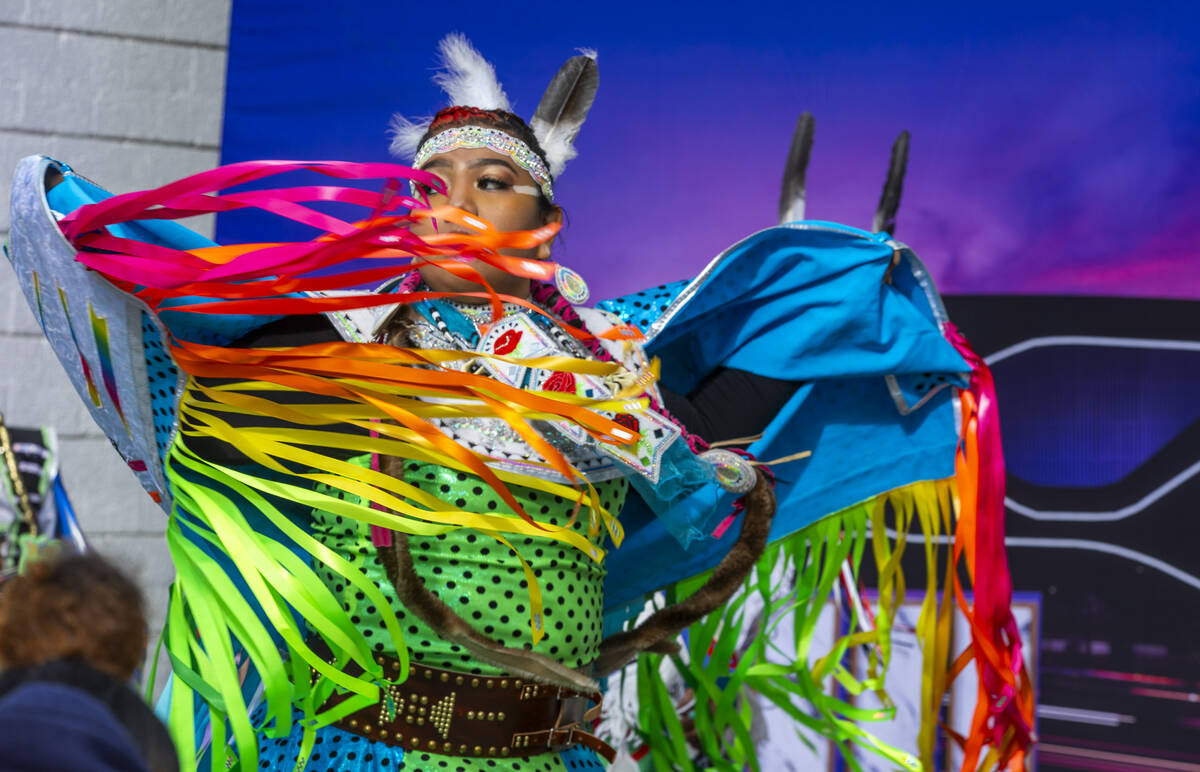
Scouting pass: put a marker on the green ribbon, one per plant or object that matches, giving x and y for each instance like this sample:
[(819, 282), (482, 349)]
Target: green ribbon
[(800, 686)]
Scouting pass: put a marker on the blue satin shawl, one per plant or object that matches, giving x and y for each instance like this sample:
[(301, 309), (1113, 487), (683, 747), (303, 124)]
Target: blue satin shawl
[(851, 314)]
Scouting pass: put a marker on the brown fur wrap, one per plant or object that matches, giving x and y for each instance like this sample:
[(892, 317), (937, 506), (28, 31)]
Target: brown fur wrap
[(657, 633), (430, 609)]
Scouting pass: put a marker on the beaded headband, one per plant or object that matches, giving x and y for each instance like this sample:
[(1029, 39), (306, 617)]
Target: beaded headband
[(494, 140)]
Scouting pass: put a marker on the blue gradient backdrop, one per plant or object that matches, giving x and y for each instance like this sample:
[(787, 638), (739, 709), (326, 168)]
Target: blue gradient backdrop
[(1054, 149)]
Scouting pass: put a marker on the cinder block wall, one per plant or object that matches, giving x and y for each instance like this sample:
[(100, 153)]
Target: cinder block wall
[(130, 94)]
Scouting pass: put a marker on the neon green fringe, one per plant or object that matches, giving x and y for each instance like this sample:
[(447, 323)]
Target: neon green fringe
[(720, 675)]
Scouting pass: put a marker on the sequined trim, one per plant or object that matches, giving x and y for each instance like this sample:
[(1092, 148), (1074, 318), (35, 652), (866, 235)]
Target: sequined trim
[(492, 139)]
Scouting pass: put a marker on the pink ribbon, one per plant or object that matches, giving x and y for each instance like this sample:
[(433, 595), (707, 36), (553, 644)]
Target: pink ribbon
[(992, 581), (137, 205)]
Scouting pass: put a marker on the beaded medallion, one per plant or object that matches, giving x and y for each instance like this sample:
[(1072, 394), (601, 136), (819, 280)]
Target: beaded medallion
[(734, 472), (571, 286)]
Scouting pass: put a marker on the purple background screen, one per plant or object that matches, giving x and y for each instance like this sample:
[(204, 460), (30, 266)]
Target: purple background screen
[(1054, 150)]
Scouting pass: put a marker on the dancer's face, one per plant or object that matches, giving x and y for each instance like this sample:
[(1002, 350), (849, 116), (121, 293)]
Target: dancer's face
[(487, 184)]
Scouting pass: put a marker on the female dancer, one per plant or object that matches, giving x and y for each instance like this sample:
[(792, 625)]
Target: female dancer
[(456, 593)]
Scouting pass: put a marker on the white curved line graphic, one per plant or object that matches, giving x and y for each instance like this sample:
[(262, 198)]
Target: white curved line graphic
[(1095, 340), (1111, 549), (1090, 340), (1077, 544), (1110, 515)]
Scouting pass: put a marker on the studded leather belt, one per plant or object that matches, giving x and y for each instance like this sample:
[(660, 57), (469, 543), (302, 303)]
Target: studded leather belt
[(460, 714)]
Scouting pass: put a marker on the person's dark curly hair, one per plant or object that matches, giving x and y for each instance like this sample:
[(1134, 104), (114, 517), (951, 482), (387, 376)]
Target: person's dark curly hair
[(73, 607)]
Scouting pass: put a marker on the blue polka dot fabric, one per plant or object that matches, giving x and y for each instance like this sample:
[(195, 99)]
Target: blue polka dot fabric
[(579, 759), (642, 308), (339, 751), (161, 379), (334, 750)]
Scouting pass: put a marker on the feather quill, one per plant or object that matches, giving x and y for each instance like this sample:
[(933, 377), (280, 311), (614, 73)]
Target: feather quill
[(893, 187), (564, 108), (792, 192), (468, 79)]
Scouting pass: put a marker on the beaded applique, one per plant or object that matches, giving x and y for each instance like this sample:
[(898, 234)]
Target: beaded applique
[(519, 336)]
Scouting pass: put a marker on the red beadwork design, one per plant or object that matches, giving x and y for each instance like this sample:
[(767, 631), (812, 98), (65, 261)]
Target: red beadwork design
[(507, 342), (456, 114), (628, 421), (560, 382)]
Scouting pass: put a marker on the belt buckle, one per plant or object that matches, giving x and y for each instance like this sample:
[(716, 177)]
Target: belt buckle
[(572, 707), (551, 745)]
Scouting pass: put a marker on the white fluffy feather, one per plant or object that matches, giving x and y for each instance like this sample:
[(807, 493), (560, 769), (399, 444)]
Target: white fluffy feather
[(406, 135), (467, 78), (558, 144)]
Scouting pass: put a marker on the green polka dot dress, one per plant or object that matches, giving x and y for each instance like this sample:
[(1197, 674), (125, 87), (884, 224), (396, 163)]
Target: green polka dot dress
[(485, 584)]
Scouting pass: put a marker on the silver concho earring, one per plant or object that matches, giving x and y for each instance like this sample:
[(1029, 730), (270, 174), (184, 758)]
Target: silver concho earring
[(570, 285)]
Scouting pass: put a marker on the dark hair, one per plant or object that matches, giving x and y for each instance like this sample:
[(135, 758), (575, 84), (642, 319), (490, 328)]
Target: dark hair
[(77, 607), (509, 123)]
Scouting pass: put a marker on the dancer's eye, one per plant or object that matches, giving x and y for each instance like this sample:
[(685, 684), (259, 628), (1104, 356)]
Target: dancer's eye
[(492, 184), (429, 190)]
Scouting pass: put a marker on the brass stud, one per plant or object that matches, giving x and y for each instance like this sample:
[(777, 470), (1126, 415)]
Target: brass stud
[(412, 707), (504, 751), (445, 677), (491, 716), (428, 674), (409, 719), (490, 683), (424, 700), (478, 750), (492, 751), (462, 749), (504, 684), (518, 683), (383, 733), (379, 659), (475, 682), (354, 723), (470, 714), (432, 745), (500, 716), (366, 729), (446, 747), (422, 711), (420, 721), (458, 680)]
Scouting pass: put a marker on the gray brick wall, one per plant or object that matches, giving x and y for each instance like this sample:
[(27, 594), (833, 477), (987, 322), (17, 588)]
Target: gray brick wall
[(130, 94)]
